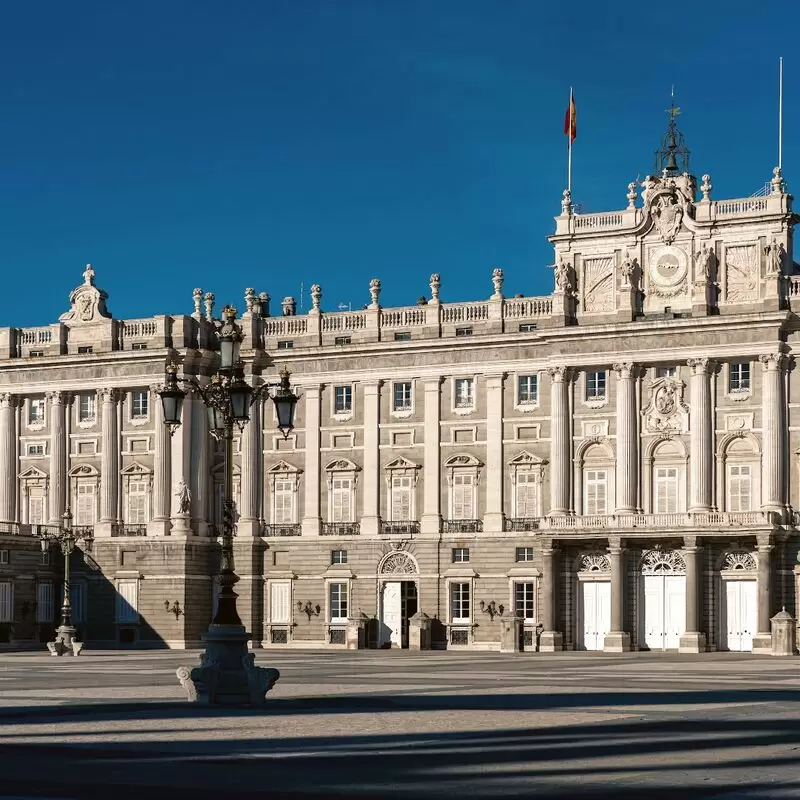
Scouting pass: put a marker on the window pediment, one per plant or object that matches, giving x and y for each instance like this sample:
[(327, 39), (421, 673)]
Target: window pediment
[(342, 465), (84, 471), (526, 459), (33, 474), (402, 464), (135, 469), (283, 466), (463, 460)]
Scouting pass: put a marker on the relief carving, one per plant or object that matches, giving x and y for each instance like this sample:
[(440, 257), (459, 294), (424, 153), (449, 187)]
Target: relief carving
[(742, 270), (666, 412), (598, 284)]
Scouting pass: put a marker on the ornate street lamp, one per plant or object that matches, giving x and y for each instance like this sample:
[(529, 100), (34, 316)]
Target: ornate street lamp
[(227, 675), (66, 537)]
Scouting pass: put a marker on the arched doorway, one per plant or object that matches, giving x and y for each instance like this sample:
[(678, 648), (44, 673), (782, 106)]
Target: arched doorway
[(664, 598), (594, 609), (739, 608), (398, 598)]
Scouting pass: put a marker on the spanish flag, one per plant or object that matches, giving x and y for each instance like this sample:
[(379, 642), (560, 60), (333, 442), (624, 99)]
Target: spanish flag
[(570, 120)]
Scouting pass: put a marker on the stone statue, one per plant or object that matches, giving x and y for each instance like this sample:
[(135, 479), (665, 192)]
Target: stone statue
[(705, 260), (563, 283), (184, 497), (627, 268), (775, 254)]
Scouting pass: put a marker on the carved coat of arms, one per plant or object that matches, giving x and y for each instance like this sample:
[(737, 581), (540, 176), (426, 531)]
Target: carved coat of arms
[(667, 216), (666, 412)]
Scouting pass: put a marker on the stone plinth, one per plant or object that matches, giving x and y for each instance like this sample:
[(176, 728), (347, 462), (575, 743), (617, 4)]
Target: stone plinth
[(419, 632), (784, 634), (510, 634), (355, 634), (551, 642), (617, 642), (692, 642), (65, 642)]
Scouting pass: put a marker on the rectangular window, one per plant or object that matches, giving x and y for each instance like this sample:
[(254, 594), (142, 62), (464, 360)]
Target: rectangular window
[(338, 556), (45, 608), (139, 346), (84, 504), (740, 488), (596, 482), (4, 557), (45, 560), (401, 498), (127, 602), (463, 496), (402, 336), (77, 595), (36, 353), (6, 601), (342, 399), (526, 495), (527, 390), (286, 344), (464, 390), (523, 555), (279, 610), (459, 602), (527, 327), (338, 602), (740, 377), (460, 555), (36, 410), (341, 500), (36, 510), (666, 372), (402, 396), (284, 501), (140, 404), (596, 385), (340, 340), (137, 503), (523, 600), (85, 349), (35, 450), (87, 407), (465, 331), (666, 490)]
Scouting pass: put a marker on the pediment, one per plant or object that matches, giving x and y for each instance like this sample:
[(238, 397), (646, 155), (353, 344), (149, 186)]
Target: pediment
[(83, 471), (33, 474), (283, 466), (402, 463), (341, 465), (463, 460), (526, 459), (135, 468)]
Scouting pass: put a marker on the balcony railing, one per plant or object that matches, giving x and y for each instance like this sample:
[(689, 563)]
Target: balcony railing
[(521, 524), (705, 519), (124, 529), (462, 526), (340, 529), (283, 530), (394, 528)]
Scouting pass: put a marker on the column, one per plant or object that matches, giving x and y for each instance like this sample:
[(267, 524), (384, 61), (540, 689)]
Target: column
[(701, 426), (560, 441), (370, 519), (772, 422), (250, 462), (8, 457), (431, 521), (109, 459), (762, 641), (495, 474), (311, 512), (692, 641), (162, 471), (550, 640), (58, 456), (627, 467), (201, 472), (617, 640)]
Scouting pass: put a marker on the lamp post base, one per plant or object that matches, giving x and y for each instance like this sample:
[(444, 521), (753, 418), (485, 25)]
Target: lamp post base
[(227, 675), (65, 642)]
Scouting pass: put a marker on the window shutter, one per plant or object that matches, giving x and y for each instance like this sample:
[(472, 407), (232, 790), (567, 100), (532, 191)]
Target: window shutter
[(341, 500), (84, 513), (36, 510), (6, 601), (44, 602), (284, 494), (128, 601), (401, 498), (77, 598), (279, 602), (527, 495)]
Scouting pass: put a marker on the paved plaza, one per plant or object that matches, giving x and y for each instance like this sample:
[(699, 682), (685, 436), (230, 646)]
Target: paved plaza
[(400, 724)]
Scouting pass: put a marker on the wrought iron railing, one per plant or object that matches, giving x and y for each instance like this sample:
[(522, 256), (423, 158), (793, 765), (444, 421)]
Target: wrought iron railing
[(394, 528), (521, 524), (462, 526), (340, 529), (124, 529), (294, 529)]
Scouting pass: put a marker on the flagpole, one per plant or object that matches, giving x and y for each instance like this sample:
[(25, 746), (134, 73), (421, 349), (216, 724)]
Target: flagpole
[(569, 145), (780, 112)]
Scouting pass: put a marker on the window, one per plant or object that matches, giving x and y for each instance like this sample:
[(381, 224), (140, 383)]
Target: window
[(340, 340), (140, 404), (36, 353), (342, 399), (401, 498), (4, 557), (666, 372), (85, 349), (595, 481), (139, 346), (338, 556), (35, 449), (36, 509), (279, 602), (740, 377), (595, 385), (459, 602), (286, 344), (127, 610), (45, 562), (523, 600), (87, 407), (84, 504), (138, 502), (460, 555), (402, 336), (523, 555), (402, 396), (527, 327), (464, 390), (337, 593), (341, 500), (77, 596), (283, 501), (666, 490), (465, 331), (527, 390), (463, 496), (526, 495), (6, 601), (740, 492), (45, 608), (36, 411)]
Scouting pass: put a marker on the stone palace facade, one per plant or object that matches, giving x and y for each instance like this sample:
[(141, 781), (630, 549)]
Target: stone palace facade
[(617, 463)]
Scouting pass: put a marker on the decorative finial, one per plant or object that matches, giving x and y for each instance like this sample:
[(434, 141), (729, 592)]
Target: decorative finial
[(289, 306), (88, 275), (705, 188), (209, 298), (249, 299), (778, 184), (264, 299), (566, 202), (197, 298), (632, 194), (497, 283), (374, 292), (435, 284), (316, 297)]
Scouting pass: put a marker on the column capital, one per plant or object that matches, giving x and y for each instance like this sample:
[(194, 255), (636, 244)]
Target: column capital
[(616, 544), (559, 374), (495, 380), (690, 543), (372, 386), (626, 370), (57, 398), (8, 400), (701, 366), (108, 394), (547, 547), (772, 361), (432, 384)]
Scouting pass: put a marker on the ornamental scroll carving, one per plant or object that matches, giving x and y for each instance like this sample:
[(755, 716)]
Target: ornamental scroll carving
[(666, 412), (594, 562), (739, 561), (398, 563), (598, 283), (655, 562), (741, 273)]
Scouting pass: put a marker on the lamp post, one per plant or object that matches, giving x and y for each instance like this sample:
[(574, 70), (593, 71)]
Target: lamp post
[(227, 675), (66, 537)]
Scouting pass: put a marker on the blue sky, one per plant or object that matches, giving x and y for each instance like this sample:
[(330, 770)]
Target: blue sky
[(187, 143)]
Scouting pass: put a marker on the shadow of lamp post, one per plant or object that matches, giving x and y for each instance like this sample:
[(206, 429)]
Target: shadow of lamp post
[(227, 674)]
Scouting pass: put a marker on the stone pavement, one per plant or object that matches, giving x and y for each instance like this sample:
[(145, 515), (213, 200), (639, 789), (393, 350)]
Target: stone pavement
[(400, 724)]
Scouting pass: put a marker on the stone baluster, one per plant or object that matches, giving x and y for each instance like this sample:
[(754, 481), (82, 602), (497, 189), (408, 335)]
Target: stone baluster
[(692, 641), (162, 471), (627, 470), (617, 640), (431, 514), (250, 458), (560, 441), (370, 519), (493, 518), (772, 432), (8, 457), (550, 640), (701, 425), (311, 515), (109, 457), (58, 456), (762, 642)]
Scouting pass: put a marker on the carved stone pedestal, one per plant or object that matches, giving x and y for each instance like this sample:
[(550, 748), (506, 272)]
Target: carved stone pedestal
[(617, 642), (65, 642), (227, 675), (551, 642), (181, 525), (692, 642)]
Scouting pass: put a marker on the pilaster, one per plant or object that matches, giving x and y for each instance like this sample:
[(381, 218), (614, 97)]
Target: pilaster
[(159, 525), (701, 429), (431, 521), (627, 468), (551, 640), (772, 423), (109, 458), (693, 640), (370, 521), (617, 640), (200, 475), (762, 641), (58, 456), (312, 521), (250, 458), (494, 517), (8, 457), (560, 441)]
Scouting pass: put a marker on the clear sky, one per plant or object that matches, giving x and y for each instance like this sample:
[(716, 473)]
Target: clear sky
[(270, 143)]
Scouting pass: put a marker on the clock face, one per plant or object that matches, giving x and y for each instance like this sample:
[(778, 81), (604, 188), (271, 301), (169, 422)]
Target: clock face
[(668, 267)]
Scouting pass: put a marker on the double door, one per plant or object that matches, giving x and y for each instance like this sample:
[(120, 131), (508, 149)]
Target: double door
[(596, 607), (664, 610), (741, 616), (398, 605)]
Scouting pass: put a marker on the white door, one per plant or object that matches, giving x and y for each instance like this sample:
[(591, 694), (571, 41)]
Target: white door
[(664, 610), (740, 614), (596, 613), (392, 615)]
